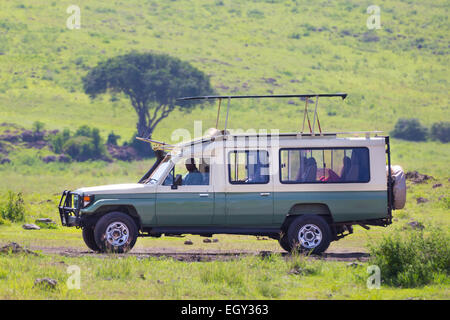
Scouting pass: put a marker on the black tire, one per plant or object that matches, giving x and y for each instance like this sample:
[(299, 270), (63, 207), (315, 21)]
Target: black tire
[(315, 232), (284, 243), (115, 224), (89, 239)]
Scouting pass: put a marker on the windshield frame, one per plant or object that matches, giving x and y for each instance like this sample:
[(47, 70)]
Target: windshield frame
[(159, 174)]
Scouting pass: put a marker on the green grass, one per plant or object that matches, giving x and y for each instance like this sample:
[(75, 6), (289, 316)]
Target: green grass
[(164, 278)]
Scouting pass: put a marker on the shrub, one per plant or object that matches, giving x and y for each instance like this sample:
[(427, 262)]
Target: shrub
[(4, 221), (112, 138), (14, 208), (412, 259), (85, 144), (143, 149), (58, 140), (410, 129), (441, 131), (38, 126)]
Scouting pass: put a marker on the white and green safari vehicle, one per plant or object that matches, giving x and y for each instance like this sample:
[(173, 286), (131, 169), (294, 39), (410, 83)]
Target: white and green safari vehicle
[(303, 189)]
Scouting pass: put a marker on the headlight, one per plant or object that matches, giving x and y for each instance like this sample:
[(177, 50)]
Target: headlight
[(87, 200)]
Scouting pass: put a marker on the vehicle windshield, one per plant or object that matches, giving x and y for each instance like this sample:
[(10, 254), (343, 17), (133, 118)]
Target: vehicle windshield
[(158, 174)]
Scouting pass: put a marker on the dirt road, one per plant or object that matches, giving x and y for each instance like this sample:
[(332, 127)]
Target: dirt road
[(198, 255)]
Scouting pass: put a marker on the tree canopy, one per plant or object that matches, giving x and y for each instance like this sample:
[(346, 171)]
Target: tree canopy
[(152, 81)]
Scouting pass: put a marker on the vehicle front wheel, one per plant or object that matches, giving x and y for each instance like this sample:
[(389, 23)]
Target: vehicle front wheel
[(115, 232), (89, 239), (284, 243), (310, 233)]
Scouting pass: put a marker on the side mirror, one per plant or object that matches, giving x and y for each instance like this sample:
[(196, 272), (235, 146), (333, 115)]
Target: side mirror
[(178, 181)]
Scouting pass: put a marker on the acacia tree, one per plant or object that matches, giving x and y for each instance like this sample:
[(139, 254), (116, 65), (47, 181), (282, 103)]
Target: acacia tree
[(151, 81)]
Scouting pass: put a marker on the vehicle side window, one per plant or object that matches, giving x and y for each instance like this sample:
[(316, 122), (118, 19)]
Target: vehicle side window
[(324, 165), (195, 171), (248, 167)]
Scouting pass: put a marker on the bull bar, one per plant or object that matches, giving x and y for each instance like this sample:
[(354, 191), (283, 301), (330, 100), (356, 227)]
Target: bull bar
[(69, 208)]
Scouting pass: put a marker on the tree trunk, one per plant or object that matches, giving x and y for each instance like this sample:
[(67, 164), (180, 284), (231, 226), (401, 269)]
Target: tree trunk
[(142, 127)]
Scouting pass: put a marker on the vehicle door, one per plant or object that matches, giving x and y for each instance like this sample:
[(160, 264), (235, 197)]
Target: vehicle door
[(192, 202), (249, 188)]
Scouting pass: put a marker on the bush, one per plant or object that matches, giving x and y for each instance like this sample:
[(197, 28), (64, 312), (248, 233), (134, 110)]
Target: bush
[(112, 138), (412, 259), (143, 149), (410, 129), (85, 144), (441, 131), (38, 126), (4, 222), (14, 208), (58, 140)]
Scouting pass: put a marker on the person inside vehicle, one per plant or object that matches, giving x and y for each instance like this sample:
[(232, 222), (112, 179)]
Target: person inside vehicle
[(310, 170), (194, 176), (206, 175), (347, 163)]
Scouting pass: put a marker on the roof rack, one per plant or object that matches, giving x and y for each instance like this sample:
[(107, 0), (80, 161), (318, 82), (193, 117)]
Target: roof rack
[(342, 95), (305, 116), (158, 145)]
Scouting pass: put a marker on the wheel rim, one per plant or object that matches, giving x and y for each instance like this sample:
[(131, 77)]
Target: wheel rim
[(310, 236), (117, 234)]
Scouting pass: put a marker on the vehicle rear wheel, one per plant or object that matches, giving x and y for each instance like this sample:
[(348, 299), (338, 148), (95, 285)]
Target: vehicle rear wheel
[(89, 239), (115, 232), (310, 233)]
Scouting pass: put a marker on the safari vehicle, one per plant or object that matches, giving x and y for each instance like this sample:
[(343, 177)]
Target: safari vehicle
[(304, 189)]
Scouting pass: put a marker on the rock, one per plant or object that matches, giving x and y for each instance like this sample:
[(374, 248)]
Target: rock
[(14, 247), (124, 153), (10, 138), (30, 226), (28, 136), (215, 240), (437, 185), (296, 270), (45, 220), (441, 197), (269, 80), (63, 158), (207, 240), (48, 159), (421, 200), (188, 242), (261, 238), (45, 282), (416, 177), (415, 225)]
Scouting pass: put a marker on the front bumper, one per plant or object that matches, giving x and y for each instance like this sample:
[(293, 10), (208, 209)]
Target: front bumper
[(69, 209)]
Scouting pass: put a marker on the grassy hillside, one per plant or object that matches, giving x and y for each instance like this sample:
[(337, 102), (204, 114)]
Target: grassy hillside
[(247, 47), (257, 47)]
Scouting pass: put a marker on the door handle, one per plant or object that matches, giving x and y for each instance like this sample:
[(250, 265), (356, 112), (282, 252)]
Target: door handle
[(204, 195), (264, 194)]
